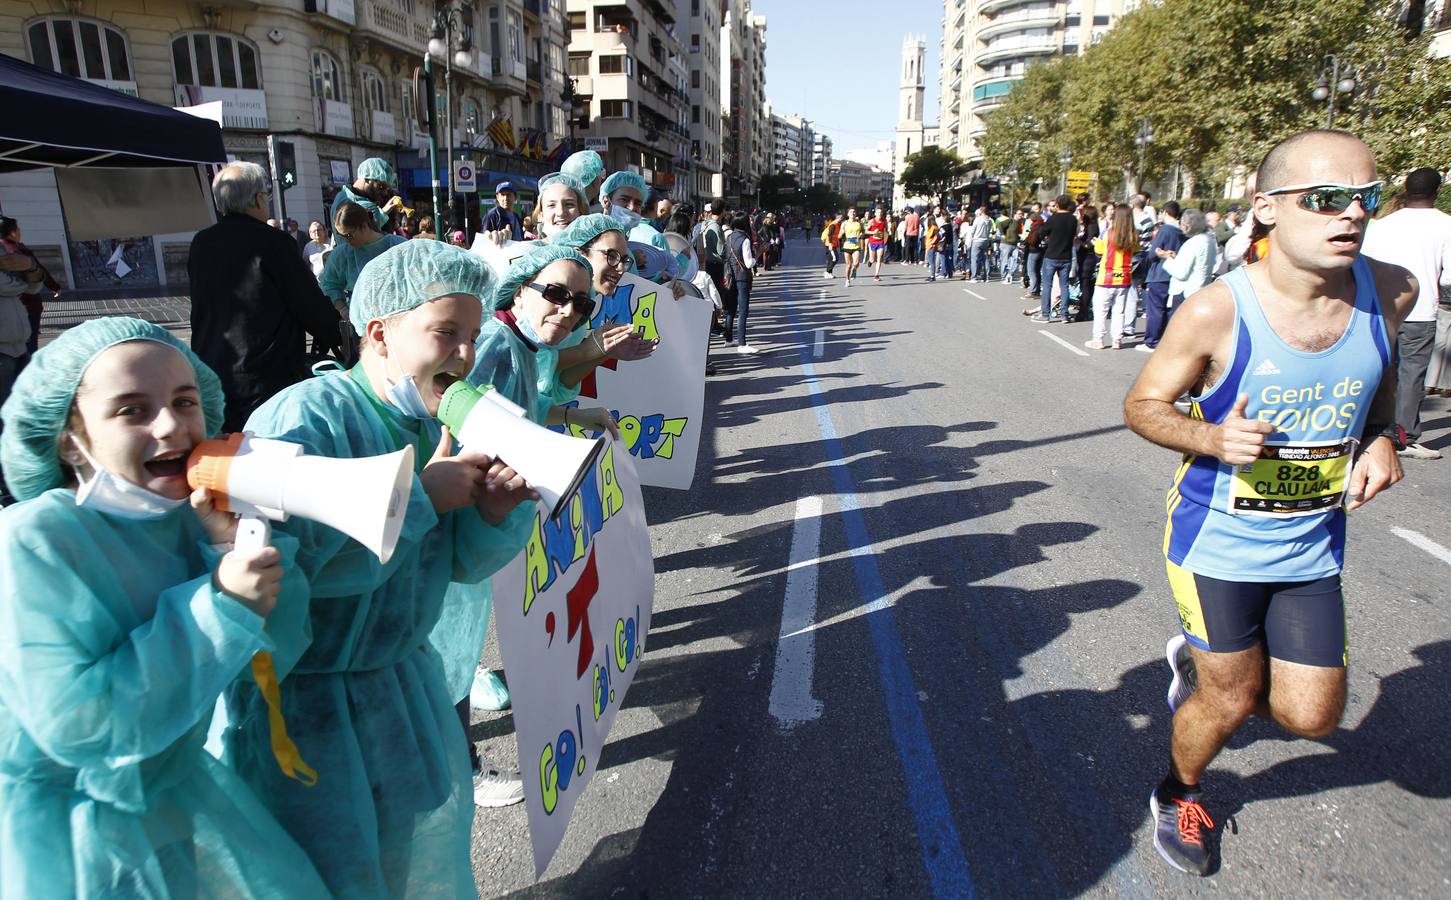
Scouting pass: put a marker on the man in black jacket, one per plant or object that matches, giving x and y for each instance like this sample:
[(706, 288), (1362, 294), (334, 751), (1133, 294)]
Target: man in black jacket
[(253, 298)]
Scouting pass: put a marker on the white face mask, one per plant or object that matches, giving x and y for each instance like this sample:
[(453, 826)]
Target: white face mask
[(107, 492), (628, 218), (404, 395)]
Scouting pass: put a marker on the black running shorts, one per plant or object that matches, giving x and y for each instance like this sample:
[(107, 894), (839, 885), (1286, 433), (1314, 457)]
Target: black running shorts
[(1297, 621)]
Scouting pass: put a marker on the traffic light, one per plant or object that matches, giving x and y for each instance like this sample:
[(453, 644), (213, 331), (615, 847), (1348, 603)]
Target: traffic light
[(286, 165)]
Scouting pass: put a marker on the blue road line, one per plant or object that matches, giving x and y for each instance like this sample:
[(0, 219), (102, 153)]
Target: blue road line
[(942, 852)]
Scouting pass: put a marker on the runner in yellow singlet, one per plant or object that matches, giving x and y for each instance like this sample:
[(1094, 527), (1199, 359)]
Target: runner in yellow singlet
[(852, 232)]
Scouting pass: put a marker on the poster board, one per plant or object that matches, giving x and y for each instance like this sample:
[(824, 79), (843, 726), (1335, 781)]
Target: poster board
[(658, 401), (573, 609)]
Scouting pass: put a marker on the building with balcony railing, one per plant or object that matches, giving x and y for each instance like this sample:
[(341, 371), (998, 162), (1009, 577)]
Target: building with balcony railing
[(745, 144), (629, 71), (700, 20), (987, 46), (793, 142), (335, 78)]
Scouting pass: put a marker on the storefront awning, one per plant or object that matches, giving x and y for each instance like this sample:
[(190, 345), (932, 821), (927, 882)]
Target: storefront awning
[(53, 120)]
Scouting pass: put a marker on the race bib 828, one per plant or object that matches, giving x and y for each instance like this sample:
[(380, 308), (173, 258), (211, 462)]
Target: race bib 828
[(1293, 480)]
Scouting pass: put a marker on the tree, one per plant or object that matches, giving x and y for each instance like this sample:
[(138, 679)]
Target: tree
[(932, 172), (1220, 83), (821, 200), (779, 190)]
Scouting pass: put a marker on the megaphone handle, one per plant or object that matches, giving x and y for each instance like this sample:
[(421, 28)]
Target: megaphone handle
[(253, 533)]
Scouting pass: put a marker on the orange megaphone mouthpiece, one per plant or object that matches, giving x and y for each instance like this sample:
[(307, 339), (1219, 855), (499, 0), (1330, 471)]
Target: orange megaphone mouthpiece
[(209, 465)]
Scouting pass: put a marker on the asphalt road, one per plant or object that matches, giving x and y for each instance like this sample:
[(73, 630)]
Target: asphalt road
[(969, 698)]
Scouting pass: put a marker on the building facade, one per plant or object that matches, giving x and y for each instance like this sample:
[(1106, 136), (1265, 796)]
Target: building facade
[(860, 185), (630, 74), (987, 46), (746, 134), (701, 32), (911, 132), (820, 161), (793, 143), (335, 78)]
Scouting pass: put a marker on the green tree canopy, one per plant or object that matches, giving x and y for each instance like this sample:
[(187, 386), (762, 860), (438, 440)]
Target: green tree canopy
[(777, 191), (1221, 82), (932, 171)]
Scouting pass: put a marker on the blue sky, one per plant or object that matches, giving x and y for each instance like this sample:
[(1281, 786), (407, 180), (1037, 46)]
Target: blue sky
[(839, 63)]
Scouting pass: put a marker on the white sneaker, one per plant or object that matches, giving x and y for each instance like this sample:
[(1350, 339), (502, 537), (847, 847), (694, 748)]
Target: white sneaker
[(1181, 663), (1144, 348), (747, 350), (848, 282), (827, 275), (1417, 451), (494, 788), (488, 691)]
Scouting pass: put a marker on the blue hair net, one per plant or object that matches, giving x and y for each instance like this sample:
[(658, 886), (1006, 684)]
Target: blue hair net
[(411, 274), (568, 181), (532, 263), (377, 169), (40, 403), (619, 180), (585, 229), (585, 166)]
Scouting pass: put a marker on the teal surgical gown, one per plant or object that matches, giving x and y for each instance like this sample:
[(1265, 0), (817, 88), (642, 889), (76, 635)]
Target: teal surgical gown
[(348, 195), (345, 263), (367, 704), (503, 361), (114, 646)]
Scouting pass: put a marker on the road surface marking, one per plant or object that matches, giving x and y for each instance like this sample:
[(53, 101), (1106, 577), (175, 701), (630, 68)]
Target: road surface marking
[(1053, 337), (820, 343), (937, 835), (791, 700), (1425, 543), (974, 293)]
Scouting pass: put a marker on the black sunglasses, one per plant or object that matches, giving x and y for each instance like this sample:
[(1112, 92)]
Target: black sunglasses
[(559, 295)]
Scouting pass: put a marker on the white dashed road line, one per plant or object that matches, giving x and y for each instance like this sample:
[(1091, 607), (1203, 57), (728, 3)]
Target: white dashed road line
[(1420, 540), (1058, 340), (791, 700)]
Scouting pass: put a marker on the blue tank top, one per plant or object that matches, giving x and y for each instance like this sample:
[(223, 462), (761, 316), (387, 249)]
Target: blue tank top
[(1280, 518)]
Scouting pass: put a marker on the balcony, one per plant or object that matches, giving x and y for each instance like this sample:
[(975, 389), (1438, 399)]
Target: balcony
[(1012, 47), (341, 10), (531, 9), (334, 117), (391, 23), (381, 127), (1041, 15), (509, 77), (534, 71), (240, 108), (988, 7)]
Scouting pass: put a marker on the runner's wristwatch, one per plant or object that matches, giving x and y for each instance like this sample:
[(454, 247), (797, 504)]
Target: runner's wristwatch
[(1391, 430)]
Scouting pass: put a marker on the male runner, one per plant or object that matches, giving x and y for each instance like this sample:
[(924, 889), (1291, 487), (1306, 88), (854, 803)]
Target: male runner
[(831, 240), (851, 242), (876, 243), (1288, 366)]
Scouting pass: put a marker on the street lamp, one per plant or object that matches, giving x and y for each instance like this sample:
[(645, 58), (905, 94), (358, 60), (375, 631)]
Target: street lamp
[(1336, 78), (568, 97), (1065, 160), (1142, 140), (450, 30)]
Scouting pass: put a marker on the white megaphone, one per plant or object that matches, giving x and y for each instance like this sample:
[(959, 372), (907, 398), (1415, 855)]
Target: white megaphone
[(261, 479), (554, 464)]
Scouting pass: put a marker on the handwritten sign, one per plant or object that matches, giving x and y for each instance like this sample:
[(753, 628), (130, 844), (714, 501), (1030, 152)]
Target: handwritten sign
[(573, 611), (658, 401)]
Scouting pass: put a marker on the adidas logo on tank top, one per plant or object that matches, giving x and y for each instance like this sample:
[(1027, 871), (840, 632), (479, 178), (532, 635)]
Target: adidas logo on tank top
[(1267, 368)]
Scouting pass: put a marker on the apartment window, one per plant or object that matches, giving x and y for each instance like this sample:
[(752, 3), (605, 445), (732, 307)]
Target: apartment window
[(327, 76), (374, 97), (579, 65), (215, 60), (576, 21), (405, 94), (471, 122), (614, 109), (516, 38), (695, 115), (695, 78), (695, 7), (80, 49), (1100, 20), (616, 64), (695, 43)]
